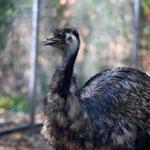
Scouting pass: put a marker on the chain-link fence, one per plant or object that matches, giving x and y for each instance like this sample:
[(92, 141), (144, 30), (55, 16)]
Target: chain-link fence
[(15, 67), (105, 28)]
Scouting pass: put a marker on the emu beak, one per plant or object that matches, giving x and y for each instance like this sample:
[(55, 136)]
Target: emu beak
[(51, 41)]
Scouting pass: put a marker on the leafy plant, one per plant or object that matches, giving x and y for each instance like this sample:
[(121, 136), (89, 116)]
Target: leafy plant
[(16, 102)]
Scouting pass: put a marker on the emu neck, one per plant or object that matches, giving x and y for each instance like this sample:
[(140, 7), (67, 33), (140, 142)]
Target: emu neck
[(62, 78), (67, 67)]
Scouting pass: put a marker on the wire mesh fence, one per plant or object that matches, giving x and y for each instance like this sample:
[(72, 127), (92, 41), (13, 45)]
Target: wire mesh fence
[(105, 28), (15, 67)]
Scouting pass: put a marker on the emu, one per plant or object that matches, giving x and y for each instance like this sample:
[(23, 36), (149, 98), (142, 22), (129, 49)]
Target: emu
[(110, 112)]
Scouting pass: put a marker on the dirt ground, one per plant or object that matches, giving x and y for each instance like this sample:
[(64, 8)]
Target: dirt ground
[(23, 141)]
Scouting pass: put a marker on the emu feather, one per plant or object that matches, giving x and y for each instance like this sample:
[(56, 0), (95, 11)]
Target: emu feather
[(110, 112)]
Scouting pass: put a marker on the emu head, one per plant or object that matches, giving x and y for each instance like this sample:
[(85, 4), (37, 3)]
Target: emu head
[(66, 39)]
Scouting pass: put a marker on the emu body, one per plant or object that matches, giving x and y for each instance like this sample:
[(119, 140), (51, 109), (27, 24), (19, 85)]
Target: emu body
[(110, 112)]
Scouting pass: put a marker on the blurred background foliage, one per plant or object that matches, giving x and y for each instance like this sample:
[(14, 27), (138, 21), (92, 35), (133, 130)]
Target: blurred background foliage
[(106, 41), (146, 6), (6, 11), (15, 102)]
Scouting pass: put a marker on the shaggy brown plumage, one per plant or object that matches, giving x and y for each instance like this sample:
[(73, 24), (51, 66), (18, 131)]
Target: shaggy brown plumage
[(110, 112)]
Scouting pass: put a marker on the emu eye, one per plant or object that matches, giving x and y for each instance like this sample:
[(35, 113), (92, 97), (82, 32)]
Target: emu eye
[(69, 39)]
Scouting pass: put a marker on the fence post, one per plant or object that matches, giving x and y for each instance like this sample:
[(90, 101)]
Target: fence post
[(33, 60), (136, 21)]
